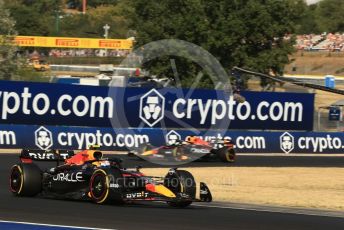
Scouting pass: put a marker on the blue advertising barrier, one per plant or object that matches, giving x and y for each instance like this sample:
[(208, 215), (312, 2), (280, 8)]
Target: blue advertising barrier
[(75, 105), (53, 137)]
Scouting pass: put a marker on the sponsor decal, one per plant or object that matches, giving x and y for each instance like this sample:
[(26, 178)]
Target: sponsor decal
[(42, 156), (137, 195), (218, 109), (47, 156), (67, 42), (78, 105), (112, 185), (109, 44), (152, 107), (204, 191), (24, 41), (320, 144), (43, 138), (38, 41), (172, 137), (184, 195), (287, 142), (8, 138), (198, 150), (69, 177), (105, 139)]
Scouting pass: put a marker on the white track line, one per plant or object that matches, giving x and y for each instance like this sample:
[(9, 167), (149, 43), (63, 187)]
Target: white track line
[(52, 225), (276, 210)]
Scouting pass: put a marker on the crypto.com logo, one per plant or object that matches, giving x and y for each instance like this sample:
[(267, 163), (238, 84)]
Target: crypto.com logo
[(172, 137), (286, 142), (152, 107), (43, 138)]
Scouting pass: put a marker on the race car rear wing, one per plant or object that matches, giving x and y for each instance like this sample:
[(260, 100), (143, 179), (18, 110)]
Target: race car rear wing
[(27, 155)]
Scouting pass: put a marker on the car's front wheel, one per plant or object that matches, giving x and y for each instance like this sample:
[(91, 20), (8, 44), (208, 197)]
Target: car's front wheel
[(181, 182), (106, 186)]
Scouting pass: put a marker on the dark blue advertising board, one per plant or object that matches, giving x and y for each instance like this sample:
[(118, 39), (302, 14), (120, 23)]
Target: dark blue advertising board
[(53, 137), (76, 105)]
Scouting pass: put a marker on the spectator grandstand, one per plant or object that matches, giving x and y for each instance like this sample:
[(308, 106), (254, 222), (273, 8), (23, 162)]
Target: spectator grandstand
[(87, 53), (324, 42)]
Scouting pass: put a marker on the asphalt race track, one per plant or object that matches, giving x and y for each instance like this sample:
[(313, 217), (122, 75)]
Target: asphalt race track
[(159, 216)]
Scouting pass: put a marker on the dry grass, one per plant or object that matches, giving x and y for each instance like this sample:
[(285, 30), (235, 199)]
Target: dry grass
[(321, 188), (316, 63)]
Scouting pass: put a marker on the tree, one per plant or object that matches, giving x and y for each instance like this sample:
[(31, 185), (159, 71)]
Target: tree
[(91, 24), (246, 33), (28, 21), (308, 23), (96, 3), (330, 15), (34, 17), (8, 62)]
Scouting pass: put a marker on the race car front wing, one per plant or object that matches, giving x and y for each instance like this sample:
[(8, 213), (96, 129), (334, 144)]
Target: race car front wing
[(204, 196)]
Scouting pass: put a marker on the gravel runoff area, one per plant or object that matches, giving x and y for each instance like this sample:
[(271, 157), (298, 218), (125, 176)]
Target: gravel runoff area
[(311, 188)]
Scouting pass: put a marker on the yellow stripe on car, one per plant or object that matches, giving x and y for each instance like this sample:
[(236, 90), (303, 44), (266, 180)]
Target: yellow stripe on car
[(161, 189), (148, 153)]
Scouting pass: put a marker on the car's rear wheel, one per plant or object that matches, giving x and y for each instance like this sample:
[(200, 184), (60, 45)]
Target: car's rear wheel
[(226, 154), (26, 180), (106, 186), (181, 182)]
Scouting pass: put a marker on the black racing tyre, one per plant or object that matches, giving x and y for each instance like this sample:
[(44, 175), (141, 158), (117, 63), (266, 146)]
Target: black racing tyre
[(25, 180), (181, 181), (226, 155), (106, 186)]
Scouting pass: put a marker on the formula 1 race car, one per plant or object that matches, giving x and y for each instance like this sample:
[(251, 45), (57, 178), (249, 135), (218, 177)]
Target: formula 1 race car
[(193, 148), (88, 176)]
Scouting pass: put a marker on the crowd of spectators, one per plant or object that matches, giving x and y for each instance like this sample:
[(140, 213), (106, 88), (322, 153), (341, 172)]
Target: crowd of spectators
[(323, 42), (87, 53)]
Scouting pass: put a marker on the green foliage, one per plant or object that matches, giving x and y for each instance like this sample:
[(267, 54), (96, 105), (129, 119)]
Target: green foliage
[(325, 16), (308, 23), (47, 18), (246, 33), (91, 24), (330, 15), (96, 3), (28, 21), (34, 17), (8, 61), (27, 73)]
